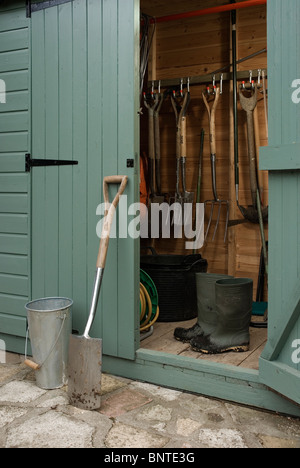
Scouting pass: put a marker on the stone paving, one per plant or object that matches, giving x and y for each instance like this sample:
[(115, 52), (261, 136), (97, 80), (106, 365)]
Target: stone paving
[(132, 415)]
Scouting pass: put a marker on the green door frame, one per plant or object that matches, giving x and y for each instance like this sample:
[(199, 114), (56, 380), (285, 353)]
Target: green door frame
[(280, 363)]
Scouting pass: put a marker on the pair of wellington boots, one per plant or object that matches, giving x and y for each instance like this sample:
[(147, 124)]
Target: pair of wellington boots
[(224, 315)]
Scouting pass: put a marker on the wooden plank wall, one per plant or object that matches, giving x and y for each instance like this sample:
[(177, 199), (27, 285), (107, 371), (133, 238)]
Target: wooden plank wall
[(14, 182), (193, 47)]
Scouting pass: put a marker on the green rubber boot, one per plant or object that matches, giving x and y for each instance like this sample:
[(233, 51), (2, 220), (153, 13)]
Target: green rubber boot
[(234, 299), (207, 315)]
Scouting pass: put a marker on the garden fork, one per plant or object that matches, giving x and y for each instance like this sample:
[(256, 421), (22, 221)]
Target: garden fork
[(216, 201)]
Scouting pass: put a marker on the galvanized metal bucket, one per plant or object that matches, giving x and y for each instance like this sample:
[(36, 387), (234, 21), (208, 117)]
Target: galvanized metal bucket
[(50, 327)]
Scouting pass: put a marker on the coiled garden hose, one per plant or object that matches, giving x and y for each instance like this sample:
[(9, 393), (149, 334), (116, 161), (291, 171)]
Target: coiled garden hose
[(148, 315)]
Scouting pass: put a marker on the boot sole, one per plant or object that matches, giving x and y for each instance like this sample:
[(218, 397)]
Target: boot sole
[(234, 349), (182, 341)]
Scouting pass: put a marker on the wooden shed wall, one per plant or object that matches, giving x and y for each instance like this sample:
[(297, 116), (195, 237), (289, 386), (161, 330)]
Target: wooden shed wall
[(14, 182), (194, 47)]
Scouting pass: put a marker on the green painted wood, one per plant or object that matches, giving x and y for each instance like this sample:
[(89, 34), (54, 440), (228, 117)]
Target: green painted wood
[(51, 90), (16, 343), (14, 40), (14, 223), (129, 147), (65, 182), (14, 264), (14, 60), (12, 162), (14, 141), (81, 272), (14, 182), (16, 121), (109, 316), (16, 101), (13, 325), (9, 284), (186, 374), (14, 203), (84, 122), (14, 305), (14, 243), (285, 157), (38, 254), (278, 370), (281, 374), (16, 81), (15, 19)]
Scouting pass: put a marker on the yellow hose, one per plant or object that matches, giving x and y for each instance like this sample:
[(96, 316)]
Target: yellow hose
[(145, 300)]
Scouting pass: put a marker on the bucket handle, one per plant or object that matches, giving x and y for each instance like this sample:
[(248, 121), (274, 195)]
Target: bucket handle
[(33, 365), (190, 267)]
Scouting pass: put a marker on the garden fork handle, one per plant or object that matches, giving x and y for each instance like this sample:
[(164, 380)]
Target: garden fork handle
[(212, 133), (212, 119)]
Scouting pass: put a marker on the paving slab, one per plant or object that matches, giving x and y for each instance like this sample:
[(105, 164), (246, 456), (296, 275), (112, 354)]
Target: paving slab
[(50, 430), (9, 414), (124, 436), (20, 392), (123, 402), (222, 438)]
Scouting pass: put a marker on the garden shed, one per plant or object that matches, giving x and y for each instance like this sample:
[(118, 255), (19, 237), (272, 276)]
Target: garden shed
[(74, 108)]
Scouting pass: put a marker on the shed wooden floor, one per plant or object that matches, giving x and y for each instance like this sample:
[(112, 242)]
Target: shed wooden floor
[(163, 340)]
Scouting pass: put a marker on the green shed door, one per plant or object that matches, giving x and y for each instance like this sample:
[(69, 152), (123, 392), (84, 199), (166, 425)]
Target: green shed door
[(85, 109), (280, 361)]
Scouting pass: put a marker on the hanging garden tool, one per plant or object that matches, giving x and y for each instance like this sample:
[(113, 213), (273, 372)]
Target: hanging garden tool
[(255, 211), (199, 185), (180, 109), (151, 105), (216, 201), (159, 198), (250, 214)]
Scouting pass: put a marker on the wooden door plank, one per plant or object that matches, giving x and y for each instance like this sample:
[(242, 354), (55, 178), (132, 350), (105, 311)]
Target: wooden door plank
[(14, 203), (14, 40), (51, 89), (13, 305), (14, 223), (128, 273), (14, 264), (38, 181), (65, 150), (81, 270), (9, 284), (109, 148)]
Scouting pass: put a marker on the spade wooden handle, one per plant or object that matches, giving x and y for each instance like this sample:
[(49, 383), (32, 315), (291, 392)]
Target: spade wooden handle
[(109, 215)]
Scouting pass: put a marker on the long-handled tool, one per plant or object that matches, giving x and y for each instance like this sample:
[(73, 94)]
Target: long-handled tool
[(85, 353), (251, 213), (159, 198), (151, 106), (199, 185), (216, 201), (180, 111)]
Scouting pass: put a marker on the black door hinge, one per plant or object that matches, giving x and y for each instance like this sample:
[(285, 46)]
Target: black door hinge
[(29, 163), (32, 7)]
